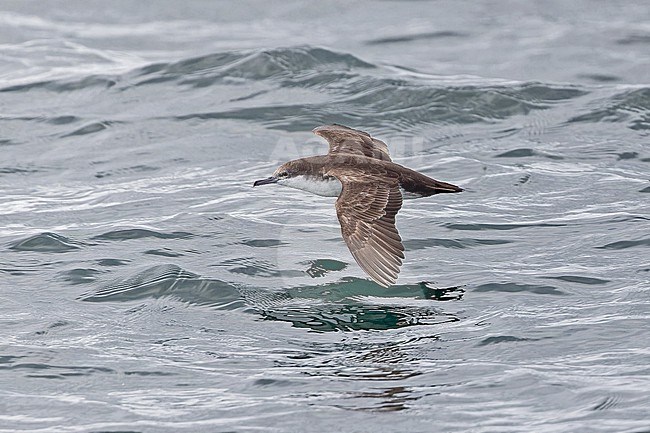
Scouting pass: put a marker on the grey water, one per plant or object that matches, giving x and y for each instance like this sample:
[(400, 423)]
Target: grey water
[(146, 287)]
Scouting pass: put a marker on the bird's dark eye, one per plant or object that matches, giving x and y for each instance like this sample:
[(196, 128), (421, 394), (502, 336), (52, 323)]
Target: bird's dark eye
[(283, 174)]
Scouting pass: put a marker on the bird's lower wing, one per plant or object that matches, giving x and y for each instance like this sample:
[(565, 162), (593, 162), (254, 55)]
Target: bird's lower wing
[(366, 210)]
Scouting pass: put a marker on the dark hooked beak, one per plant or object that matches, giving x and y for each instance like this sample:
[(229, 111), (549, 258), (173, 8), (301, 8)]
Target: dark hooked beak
[(268, 180)]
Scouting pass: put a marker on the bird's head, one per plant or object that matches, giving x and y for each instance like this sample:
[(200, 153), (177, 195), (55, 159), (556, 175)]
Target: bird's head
[(280, 176)]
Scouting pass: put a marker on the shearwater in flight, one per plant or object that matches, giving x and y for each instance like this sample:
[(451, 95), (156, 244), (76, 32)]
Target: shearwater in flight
[(369, 186)]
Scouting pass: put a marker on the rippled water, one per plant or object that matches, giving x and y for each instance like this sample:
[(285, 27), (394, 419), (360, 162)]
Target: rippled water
[(146, 286)]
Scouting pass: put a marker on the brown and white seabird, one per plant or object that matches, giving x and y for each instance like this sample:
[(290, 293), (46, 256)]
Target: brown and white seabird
[(369, 186)]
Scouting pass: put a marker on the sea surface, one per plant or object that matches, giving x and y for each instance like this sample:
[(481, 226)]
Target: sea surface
[(145, 286)]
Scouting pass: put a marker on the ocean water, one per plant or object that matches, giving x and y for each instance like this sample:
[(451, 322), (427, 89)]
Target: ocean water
[(147, 287)]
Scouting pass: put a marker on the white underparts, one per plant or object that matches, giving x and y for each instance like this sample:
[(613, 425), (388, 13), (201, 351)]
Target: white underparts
[(331, 187), (409, 195)]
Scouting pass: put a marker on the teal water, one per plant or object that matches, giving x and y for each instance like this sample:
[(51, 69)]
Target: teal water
[(147, 287)]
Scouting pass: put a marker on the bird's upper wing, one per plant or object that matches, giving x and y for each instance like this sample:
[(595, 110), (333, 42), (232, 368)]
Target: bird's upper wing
[(352, 141), (366, 210)]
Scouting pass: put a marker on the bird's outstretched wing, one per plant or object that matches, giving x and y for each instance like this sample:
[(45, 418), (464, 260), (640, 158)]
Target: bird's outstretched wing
[(346, 140), (366, 210)]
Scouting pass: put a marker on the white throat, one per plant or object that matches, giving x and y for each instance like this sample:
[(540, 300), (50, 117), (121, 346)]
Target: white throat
[(330, 187)]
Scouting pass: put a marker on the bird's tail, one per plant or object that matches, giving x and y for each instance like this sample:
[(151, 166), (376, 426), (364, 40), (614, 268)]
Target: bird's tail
[(442, 187)]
